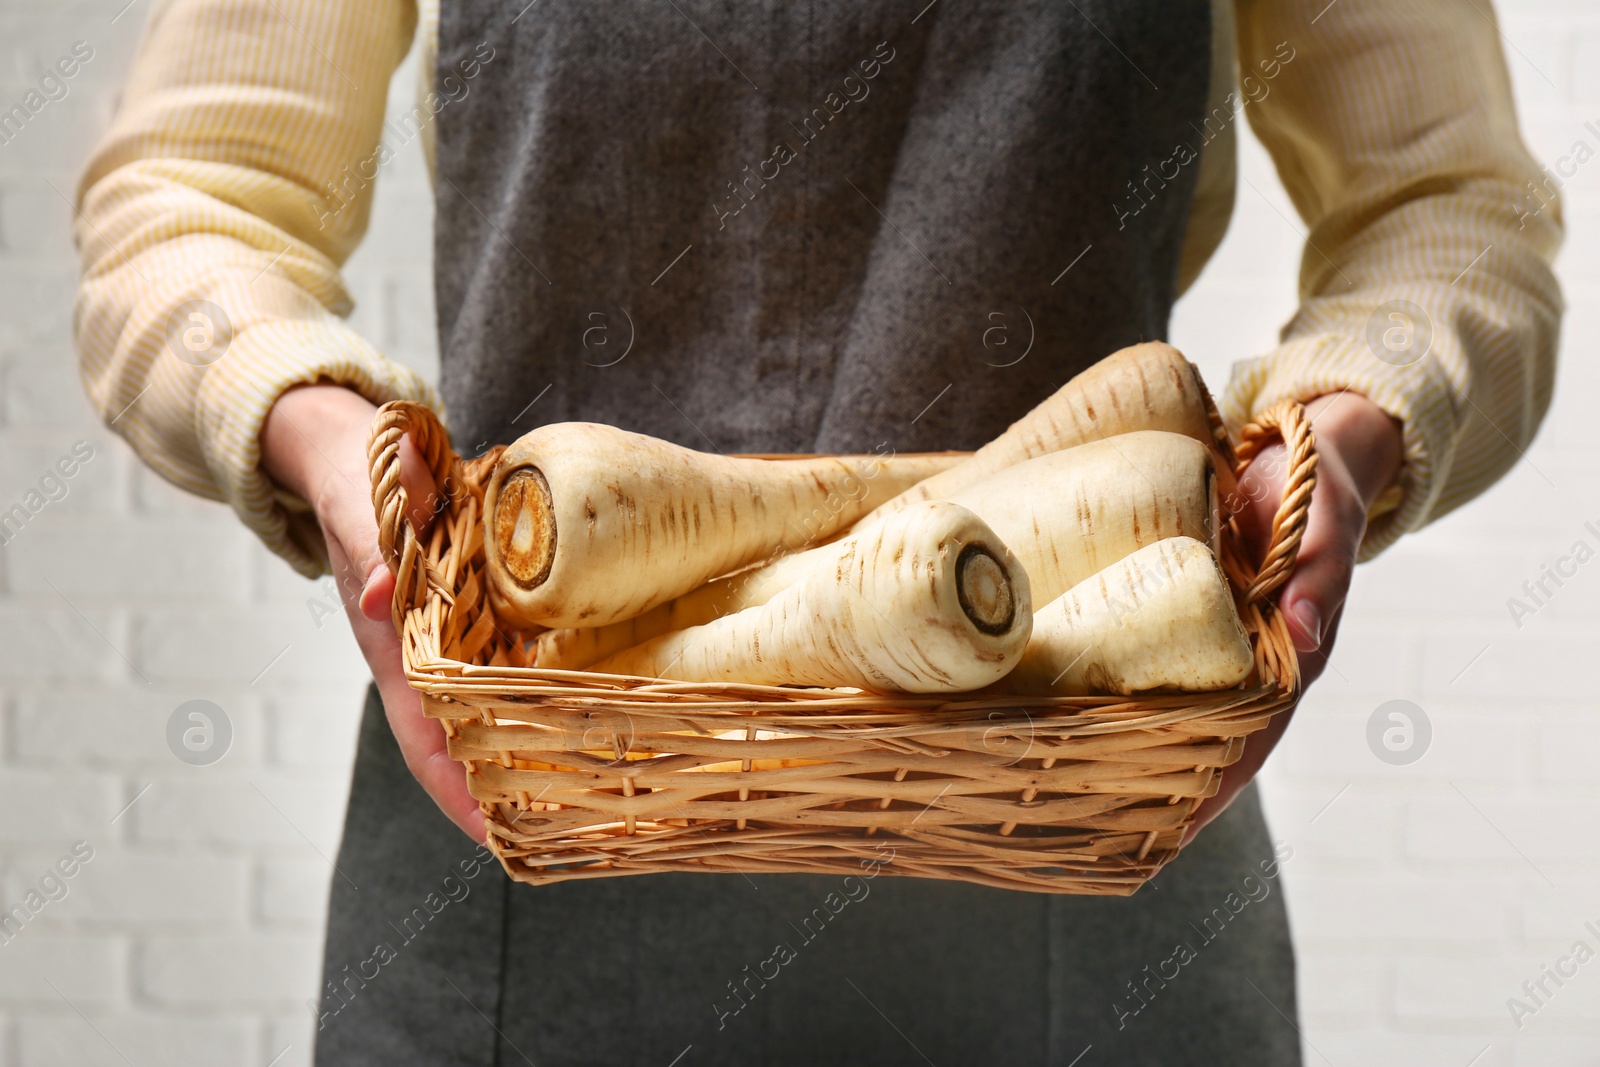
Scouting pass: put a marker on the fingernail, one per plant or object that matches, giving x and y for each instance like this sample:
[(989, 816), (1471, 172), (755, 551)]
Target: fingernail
[(1310, 620), (373, 607)]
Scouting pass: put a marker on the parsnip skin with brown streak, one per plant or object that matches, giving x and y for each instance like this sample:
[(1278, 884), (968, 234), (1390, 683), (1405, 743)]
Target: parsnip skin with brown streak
[(1161, 619), (587, 524), (927, 601), (1148, 386), (1071, 514), (1065, 516), (577, 648)]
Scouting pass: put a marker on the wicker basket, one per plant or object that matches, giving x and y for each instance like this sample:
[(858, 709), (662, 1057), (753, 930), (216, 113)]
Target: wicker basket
[(591, 776)]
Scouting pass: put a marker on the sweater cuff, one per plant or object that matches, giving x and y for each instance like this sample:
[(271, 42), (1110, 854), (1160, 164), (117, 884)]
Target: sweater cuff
[(1418, 395), (261, 363)]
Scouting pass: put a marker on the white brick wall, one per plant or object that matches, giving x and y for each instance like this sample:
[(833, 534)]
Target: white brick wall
[(1422, 896)]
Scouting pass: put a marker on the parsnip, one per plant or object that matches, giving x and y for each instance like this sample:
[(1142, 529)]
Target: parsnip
[(1071, 514), (1161, 619), (927, 601), (1148, 386), (1065, 516), (577, 648), (587, 524)]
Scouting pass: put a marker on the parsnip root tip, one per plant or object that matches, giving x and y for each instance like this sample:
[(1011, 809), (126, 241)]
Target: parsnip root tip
[(525, 526)]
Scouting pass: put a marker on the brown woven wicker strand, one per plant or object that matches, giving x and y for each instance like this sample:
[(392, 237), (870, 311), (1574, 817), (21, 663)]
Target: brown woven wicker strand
[(594, 776)]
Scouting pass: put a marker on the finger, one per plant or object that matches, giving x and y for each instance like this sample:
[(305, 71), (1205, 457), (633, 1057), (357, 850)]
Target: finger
[(1312, 601), (1312, 664), (421, 740), (378, 594), (1315, 592), (1259, 745), (348, 525)]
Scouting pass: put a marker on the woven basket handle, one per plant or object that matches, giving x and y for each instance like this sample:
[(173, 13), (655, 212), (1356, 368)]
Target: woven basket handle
[(1286, 419), (397, 538)]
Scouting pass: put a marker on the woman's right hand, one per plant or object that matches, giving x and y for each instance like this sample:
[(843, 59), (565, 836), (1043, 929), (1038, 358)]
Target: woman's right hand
[(314, 444)]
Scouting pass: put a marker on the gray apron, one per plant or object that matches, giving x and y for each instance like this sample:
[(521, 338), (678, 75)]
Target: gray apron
[(778, 228)]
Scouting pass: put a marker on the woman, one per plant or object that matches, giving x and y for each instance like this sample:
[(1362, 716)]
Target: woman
[(795, 229)]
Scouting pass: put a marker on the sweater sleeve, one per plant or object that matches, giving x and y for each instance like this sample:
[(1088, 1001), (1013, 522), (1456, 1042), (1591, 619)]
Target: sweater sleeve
[(212, 222), (1426, 281)]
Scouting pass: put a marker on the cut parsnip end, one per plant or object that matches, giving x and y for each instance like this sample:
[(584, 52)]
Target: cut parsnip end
[(984, 589), (525, 527)]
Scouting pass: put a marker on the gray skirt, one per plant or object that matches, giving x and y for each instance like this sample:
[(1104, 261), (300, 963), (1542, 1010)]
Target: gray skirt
[(435, 957)]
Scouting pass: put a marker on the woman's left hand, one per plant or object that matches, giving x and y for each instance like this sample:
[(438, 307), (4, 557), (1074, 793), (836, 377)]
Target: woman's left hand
[(1361, 449)]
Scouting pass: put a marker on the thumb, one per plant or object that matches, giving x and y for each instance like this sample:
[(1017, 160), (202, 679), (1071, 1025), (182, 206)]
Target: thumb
[(1314, 594), (352, 534)]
